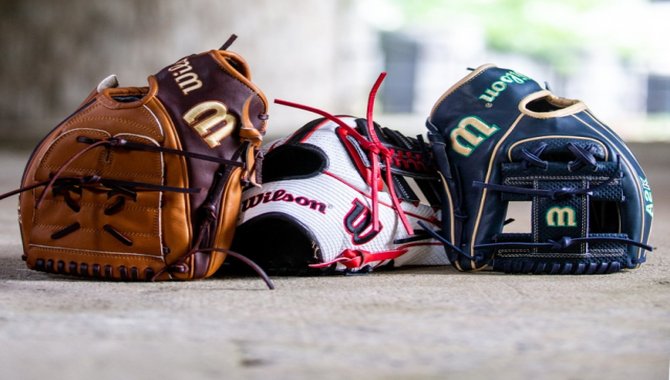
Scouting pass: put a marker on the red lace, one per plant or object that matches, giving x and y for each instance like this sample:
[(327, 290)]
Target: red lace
[(356, 258), (374, 148)]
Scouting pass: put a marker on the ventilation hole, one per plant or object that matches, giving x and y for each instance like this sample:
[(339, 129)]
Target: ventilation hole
[(50, 266), (134, 273), (123, 272), (39, 264), (72, 268), (83, 269), (60, 266)]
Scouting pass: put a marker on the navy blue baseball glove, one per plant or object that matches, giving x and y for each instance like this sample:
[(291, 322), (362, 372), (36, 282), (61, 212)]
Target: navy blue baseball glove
[(499, 137)]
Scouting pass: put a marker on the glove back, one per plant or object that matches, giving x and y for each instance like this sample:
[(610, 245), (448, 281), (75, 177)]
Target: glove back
[(500, 137)]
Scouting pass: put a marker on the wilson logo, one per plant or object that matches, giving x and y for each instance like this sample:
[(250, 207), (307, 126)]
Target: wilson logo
[(469, 133), (561, 217), (203, 117), (183, 74), (283, 196), (358, 223), (497, 87)]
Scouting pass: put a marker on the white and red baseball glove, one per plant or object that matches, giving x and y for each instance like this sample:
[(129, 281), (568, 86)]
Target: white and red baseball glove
[(342, 194)]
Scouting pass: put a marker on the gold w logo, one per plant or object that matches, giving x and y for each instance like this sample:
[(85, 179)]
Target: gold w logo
[(203, 117), (470, 132), (561, 217)]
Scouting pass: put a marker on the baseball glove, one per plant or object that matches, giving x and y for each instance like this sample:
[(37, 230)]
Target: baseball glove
[(498, 137), (342, 195), (145, 183)]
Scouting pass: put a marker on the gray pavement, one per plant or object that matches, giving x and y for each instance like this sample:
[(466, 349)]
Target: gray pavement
[(430, 323)]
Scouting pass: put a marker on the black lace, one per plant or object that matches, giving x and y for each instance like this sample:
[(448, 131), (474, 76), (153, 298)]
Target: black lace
[(438, 236), (566, 192), (533, 158), (584, 157), (130, 145)]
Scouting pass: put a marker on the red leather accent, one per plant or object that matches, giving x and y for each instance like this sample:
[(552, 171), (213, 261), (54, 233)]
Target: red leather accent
[(356, 258)]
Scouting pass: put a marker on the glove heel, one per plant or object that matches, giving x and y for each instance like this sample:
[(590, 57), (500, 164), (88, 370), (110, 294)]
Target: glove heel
[(556, 266)]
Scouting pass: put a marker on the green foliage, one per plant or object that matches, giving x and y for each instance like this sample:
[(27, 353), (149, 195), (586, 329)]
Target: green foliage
[(557, 31)]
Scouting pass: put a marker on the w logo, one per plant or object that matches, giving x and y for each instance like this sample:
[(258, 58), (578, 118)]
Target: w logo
[(470, 132), (358, 223), (561, 217)]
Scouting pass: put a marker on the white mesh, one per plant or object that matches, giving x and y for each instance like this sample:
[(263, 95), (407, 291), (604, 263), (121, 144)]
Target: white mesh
[(331, 195)]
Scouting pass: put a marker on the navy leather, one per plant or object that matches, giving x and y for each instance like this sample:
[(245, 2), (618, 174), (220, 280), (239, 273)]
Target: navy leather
[(499, 137)]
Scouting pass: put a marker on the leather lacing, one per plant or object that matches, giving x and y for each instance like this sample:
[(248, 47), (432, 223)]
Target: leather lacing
[(584, 158), (375, 149), (58, 185)]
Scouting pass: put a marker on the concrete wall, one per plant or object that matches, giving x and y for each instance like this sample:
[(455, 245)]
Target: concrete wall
[(55, 52)]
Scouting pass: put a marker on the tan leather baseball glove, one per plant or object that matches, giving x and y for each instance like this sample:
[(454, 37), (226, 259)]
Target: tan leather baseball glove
[(144, 183)]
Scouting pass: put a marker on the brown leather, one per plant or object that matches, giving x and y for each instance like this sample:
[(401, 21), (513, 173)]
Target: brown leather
[(106, 231)]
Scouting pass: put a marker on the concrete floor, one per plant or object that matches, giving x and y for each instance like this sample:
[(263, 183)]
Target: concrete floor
[(408, 324)]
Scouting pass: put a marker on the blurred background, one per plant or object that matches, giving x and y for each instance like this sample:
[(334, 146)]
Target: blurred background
[(612, 54)]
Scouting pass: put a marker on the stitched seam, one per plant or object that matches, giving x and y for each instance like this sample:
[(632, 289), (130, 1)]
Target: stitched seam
[(98, 205), (95, 171), (571, 178), (147, 129), (100, 254), (531, 255), (96, 230)]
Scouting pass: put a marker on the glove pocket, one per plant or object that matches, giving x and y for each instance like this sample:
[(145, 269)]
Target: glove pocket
[(100, 215)]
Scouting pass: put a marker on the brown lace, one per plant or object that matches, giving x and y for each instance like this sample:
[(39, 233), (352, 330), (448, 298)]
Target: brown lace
[(249, 135)]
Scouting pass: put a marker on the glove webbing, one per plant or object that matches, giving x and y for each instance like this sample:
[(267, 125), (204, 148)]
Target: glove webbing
[(583, 158)]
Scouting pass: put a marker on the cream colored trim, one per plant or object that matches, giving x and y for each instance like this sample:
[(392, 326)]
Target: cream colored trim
[(509, 151), (640, 192), (476, 72), (571, 106), (160, 127), (486, 180)]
